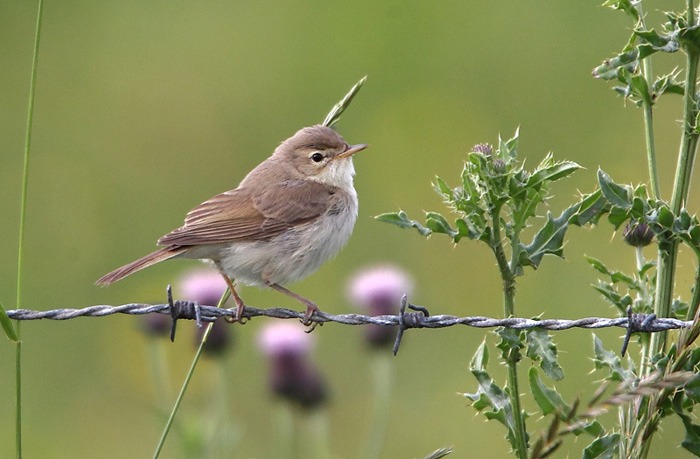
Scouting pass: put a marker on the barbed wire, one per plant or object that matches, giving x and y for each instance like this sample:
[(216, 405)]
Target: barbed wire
[(419, 318)]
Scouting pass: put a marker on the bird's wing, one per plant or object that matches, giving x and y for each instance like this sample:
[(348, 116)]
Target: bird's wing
[(237, 215)]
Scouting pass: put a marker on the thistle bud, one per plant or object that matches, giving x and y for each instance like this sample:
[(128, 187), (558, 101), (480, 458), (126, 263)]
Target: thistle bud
[(499, 166), (483, 148), (293, 376), (378, 291), (638, 234)]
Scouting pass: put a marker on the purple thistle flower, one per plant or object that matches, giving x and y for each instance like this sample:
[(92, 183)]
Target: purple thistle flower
[(292, 374), (205, 287), (378, 291), (483, 148)]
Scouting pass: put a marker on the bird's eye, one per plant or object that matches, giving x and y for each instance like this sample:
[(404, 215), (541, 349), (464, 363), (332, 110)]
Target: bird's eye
[(317, 157)]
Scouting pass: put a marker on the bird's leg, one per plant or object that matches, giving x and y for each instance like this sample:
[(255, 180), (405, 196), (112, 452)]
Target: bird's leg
[(240, 306), (310, 305)]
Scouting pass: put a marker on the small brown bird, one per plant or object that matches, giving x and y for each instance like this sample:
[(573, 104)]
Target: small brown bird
[(289, 215)]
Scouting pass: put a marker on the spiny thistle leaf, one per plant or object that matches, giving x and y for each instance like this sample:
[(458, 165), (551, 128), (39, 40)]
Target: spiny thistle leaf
[(541, 347), (548, 399), (401, 219)]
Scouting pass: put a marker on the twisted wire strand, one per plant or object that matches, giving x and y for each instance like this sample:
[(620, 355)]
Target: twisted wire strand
[(188, 310), (419, 318)]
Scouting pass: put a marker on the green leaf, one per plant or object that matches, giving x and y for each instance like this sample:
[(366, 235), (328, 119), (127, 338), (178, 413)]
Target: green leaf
[(548, 240), (610, 69), (602, 447), (615, 276), (660, 42), (691, 389), (548, 399), (511, 341), (617, 195), (691, 442), (640, 88), (7, 325), (668, 84), (664, 217), (541, 347), (490, 395), (523, 205), (626, 6), (589, 210), (438, 224), (480, 360), (608, 359), (507, 150), (401, 219), (442, 188), (613, 296), (440, 452), (593, 428), (618, 216), (549, 171), (597, 265)]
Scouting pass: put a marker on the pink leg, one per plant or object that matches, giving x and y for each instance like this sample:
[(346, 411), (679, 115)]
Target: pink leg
[(310, 305)]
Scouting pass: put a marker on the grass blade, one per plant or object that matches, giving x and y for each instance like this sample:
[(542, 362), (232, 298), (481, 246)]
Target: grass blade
[(337, 110)]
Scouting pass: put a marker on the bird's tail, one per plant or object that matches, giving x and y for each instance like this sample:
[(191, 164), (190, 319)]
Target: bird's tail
[(149, 260)]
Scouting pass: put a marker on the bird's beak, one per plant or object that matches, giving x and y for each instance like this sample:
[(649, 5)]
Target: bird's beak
[(352, 149)]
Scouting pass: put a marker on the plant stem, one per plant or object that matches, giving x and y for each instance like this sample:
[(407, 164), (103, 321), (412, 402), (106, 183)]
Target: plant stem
[(695, 300), (514, 392), (508, 276), (382, 367), (668, 249), (187, 380), (649, 118), (651, 149), (22, 219)]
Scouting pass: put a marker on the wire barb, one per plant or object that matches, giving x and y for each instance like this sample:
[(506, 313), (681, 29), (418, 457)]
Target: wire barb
[(409, 320), (637, 322), (182, 309)]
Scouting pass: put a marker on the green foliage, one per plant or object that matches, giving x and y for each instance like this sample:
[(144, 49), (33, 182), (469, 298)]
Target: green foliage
[(548, 399), (638, 284), (496, 192), (631, 205), (603, 447), (6, 324), (495, 200), (490, 396), (438, 453), (626, 66), (604, 358), (540, 347), (691, 442)]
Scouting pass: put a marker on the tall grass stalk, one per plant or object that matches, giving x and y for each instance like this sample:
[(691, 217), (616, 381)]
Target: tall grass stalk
[(22, 219), (187, 380)]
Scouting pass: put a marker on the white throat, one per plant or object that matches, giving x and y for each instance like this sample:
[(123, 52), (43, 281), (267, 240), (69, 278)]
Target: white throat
[(338, 173)]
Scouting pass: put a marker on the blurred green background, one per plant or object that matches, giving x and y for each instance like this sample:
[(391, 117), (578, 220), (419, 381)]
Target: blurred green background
[(145, 109)]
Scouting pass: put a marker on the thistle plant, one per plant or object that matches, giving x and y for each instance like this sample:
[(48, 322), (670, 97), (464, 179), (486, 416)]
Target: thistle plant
[(497, 199), (494, 202)]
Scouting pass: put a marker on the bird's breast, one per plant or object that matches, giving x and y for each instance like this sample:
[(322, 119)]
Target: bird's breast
[(298, 251)]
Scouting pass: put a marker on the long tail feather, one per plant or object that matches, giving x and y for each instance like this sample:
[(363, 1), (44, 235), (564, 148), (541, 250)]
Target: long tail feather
[(149, 260)]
